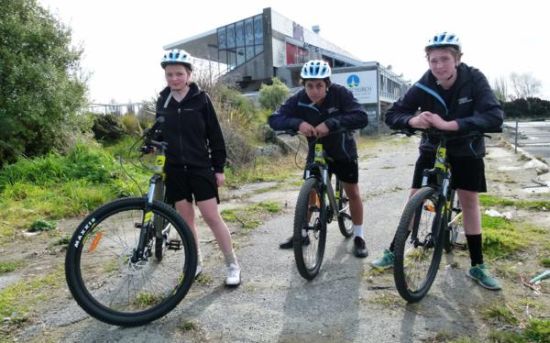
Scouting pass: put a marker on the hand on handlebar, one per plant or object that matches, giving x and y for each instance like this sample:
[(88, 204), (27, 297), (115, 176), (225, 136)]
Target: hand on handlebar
[(426, 120), (322, 130), (307, 129)]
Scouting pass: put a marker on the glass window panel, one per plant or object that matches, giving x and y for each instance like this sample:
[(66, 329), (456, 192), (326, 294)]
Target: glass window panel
[(259, 48), (222, 38), (249, 52), (239, 33), (231, 60), (258, 30), (240, 56), (231, 36), (249, 31)]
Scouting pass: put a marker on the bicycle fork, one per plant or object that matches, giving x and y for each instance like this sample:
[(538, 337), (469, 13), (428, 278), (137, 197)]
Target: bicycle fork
[(143, 250)]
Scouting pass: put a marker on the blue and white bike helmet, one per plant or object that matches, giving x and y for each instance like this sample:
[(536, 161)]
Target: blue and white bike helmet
[(315, 69), (176, 56), (444, 39)]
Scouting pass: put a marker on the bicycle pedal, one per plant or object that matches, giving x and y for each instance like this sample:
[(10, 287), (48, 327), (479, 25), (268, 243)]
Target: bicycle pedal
[(173, 244)]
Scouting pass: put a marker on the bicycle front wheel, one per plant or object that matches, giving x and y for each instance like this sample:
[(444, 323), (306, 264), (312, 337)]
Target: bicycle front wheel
[(344, 215), (418, 245), (113, 283), (310, 229)]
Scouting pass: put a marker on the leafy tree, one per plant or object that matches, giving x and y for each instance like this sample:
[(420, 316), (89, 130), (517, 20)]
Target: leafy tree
[(271, 96), (40, 88)]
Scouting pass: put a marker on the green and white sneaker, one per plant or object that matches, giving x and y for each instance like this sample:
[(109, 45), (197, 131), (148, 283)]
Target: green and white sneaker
[(385, 262), (480, 274)]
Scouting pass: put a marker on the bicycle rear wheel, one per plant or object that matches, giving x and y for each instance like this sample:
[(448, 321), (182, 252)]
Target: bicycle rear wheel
[(344, 215), (115, 285), (418, 245), (310, 229), (454, 225)]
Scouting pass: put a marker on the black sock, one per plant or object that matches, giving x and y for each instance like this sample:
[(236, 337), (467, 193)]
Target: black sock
[(474, 246)]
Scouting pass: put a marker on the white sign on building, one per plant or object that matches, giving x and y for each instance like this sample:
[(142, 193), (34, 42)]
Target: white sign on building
[(362, 84)]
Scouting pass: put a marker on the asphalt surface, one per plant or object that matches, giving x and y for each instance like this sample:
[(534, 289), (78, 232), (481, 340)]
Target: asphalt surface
[(533, 137)]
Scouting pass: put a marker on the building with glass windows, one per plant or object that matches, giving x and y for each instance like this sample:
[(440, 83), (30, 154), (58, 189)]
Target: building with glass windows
[(253, 50)]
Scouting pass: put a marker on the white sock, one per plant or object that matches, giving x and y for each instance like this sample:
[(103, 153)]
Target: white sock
[(358, 231), (231, 258)]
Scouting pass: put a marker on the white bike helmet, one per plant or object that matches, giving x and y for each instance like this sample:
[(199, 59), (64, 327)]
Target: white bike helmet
[(315, 69), (444, 39), (176, 56)]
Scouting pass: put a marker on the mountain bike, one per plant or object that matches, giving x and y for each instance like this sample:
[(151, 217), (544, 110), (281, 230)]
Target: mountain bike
[(430, 222), (132, 260), (317, 205)]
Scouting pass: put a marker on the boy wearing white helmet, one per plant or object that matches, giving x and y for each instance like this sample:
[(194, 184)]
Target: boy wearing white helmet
[(195, 156), (317, 110), (452, 96)]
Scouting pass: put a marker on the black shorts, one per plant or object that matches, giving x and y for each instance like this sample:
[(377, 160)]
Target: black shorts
[(347, 171), (190, 184), (468, 173)]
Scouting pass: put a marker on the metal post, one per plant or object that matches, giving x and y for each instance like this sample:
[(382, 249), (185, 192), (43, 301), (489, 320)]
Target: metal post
[(516, 139)]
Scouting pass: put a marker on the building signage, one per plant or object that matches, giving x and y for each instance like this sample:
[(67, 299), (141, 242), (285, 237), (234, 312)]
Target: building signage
[(362, 84)]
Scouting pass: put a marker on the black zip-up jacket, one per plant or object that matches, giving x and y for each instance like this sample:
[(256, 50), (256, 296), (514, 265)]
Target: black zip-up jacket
[(471, 103), (192, 130), (339, 110)]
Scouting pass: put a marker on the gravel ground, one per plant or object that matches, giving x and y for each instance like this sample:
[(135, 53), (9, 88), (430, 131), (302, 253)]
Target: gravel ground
[(347, 302)]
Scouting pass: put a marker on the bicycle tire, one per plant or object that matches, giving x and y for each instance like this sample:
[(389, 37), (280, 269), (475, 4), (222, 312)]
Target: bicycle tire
[(454, 226), (310, 229), (344, 215), (417, 258), (108, 285)]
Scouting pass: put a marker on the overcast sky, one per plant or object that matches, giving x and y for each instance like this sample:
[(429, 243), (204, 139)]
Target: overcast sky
[(123, 39)]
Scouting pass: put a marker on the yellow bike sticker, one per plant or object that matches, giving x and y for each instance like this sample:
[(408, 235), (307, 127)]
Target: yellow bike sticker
[(440, 158), (319, 153)]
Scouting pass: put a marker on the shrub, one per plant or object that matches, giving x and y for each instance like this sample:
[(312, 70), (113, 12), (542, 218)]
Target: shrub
[(272, 96)]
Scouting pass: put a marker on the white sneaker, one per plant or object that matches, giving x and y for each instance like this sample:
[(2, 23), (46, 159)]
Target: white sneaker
[(233, 278), (198, 271)]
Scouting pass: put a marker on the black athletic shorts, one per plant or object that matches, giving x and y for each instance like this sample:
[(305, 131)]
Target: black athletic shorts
[(468, 173), (347, 171), (187, 183)]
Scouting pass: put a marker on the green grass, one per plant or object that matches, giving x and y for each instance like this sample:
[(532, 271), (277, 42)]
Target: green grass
[(536, 330), (501, 238), (10, 266), (18, 299), (264, 169), (538, 205), (55, 186), (500, 313), (545, 262), (250, 217)]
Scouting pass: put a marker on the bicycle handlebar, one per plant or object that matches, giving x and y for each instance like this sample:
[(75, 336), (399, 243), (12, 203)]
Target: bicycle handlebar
[(449, 135)]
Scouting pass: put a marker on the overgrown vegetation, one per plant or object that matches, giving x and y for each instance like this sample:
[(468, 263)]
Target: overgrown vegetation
[(41, 86), (272, 96), (57, 186)]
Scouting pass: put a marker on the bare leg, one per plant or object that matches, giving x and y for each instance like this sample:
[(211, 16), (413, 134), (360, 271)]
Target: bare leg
[(209, 211), (355, 203), (470, 210)]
